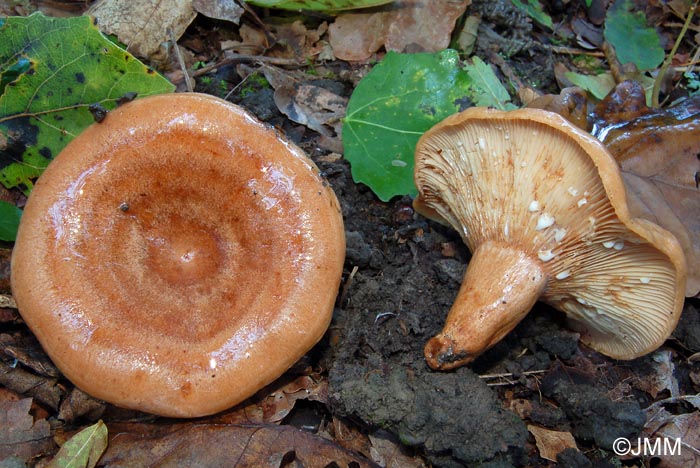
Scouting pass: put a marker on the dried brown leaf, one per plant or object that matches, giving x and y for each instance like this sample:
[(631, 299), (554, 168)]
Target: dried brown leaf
[(306, 103), (348, 436), (28, 352), (551, 443), (79, 404), (423, 25), (276, 402), (684, 430), (143, 24), (227, 10), (356, 36), (406, 26), (20, 435), (222, 445), (663, 379)]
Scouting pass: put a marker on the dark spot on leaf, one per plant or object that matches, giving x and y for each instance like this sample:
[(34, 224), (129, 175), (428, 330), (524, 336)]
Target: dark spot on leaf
[(45, 151), (49, 93), (69, 91), (80, 77), (127, 57), (20, 134), (150, 71), (94, 21), (463, 103), (58, 117)]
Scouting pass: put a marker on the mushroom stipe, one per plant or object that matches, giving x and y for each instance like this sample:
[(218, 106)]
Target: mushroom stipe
[(178, 256), (542, 207)]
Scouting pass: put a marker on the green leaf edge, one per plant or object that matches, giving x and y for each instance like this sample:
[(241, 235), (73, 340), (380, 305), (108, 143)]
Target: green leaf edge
[(10, 217)]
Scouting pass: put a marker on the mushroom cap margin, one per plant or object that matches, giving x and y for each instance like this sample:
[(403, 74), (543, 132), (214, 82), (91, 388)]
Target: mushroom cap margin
[(192, 366)]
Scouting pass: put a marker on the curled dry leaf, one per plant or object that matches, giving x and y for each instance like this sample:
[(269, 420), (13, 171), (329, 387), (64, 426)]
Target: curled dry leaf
[(45, 390), (308, 104), (223, 445), (143, 24), (406, 26), (79, 404), (551, 443), (28, 352), (658, 153), (662, 379), (389, 453)]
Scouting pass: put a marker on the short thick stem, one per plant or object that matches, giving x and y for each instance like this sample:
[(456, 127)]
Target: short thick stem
[(500, 287)]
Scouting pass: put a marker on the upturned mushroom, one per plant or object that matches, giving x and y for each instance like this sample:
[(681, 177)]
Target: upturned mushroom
[(178, 256), (541, 206)]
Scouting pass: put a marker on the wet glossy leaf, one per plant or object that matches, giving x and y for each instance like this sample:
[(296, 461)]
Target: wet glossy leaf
[(631, 37), (658, 153), (54, 70), (319, 5), (9, 221), (401, 98), (84, 449)]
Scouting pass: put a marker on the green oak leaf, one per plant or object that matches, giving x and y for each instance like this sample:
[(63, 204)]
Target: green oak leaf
[(52, 70), (9, 221)]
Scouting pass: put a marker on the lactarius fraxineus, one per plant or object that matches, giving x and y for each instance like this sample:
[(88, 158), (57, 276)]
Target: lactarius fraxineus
[(178, 256), (541, 206)]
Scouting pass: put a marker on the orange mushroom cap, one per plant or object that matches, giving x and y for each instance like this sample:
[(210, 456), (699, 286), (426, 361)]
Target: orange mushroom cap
[(178, 256), (541, 205)]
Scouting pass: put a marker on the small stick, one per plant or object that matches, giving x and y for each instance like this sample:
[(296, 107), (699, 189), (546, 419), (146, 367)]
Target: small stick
[(234, 58), (181, 61), (346, 286)]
